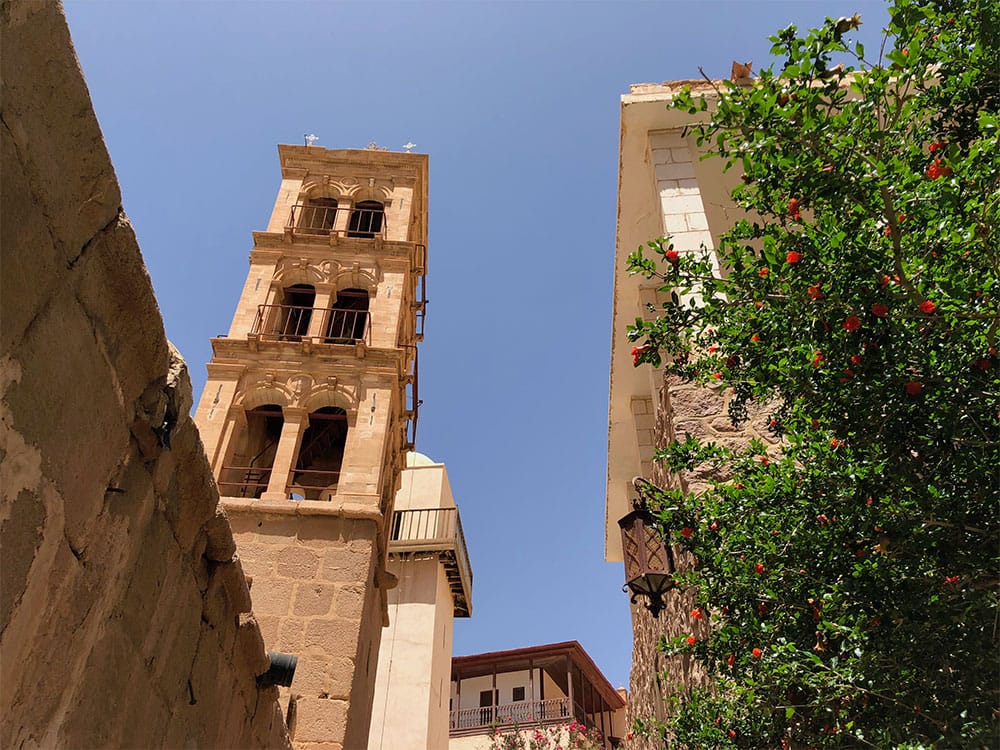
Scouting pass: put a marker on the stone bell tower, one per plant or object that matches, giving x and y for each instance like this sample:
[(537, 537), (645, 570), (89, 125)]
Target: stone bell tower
[(309, 408)]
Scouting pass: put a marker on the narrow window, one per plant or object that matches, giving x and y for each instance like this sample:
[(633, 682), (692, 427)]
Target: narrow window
[(291, 318), (366, 219), (317, 216), (518, 694), (321, 454), (249, 469), (348, 318)]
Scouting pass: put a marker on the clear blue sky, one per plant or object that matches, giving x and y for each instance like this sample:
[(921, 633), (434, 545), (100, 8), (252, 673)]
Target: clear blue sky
[(517, 104)]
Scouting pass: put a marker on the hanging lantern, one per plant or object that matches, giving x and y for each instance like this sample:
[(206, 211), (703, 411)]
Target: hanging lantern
[(649, 564)]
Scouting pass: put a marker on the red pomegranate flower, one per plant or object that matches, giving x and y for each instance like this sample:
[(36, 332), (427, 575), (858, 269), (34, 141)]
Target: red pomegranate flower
[(879, 310), (691, 640), (673, 256), (913, 388), (814, 292), (793, 209), (697, 614), (757, 653), (792, 257), (853, 323), (927, 307), (759, 569), (763, 272), (731, 659), (637, 352), (755, 338), (686, 532)]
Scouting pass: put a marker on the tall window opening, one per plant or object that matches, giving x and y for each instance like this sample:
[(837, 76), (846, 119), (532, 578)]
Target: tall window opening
[(349, 317), (249, 469), (366, 219), (317, 216), (321, 454), (292, 316)]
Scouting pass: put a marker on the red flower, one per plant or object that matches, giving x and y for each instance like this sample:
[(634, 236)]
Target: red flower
[(637, 352), (814, 292), (792, 257), (732, 733), (757, 653), (856, 359), (762, 609), (853, 323), (691, 640), (755, 338), (818, 359), (834, 443), (730, 660), (913, 388), (793, 209), (952, 579), (934, 170), (879, 310), (717, 375), (937, 146), (697, 614), (714, 526), (823, 519), (763, 272), (927, 307), (759, 569), (673, 256), (686, 532)]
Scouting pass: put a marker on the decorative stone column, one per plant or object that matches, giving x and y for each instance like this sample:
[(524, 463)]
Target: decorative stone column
[(296, 420)]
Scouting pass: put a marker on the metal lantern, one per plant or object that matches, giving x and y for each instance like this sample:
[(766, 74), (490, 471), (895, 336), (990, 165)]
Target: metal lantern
[(649, 564)]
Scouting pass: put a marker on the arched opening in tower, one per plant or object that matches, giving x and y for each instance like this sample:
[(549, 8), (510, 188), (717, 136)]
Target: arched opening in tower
[(348, 318), (317, 470), (248, 471), (294, 313), (366, 219), (318, 216)]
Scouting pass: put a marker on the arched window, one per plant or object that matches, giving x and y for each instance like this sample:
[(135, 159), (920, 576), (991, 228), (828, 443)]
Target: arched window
[(348, 318), (366, 219), (317, 216), (321, 454), (249, 468), (291, 317)]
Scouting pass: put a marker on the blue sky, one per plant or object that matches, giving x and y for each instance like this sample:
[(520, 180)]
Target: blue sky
[(517, 104)]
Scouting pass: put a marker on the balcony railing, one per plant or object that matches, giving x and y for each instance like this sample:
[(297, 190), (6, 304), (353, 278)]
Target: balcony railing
[(551, 710), (294, 323), (437, 530), (317, 220)]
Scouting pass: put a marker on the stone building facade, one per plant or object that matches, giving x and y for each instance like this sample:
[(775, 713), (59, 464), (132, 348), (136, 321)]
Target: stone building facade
[(125, 616), (308, 411), (663, 188)]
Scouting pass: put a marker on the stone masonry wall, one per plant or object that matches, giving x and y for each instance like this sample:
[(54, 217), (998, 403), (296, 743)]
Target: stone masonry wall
[(125, 617), (679, 408)]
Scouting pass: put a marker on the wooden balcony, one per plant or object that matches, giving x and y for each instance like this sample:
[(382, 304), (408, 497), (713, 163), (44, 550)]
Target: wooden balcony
[(436, 530)]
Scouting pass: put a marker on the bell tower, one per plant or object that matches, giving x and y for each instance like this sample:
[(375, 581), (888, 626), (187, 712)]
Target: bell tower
[(310, 406)]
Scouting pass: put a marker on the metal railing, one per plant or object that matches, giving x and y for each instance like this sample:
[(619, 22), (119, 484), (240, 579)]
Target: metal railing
[(318, 220), (294, 323), (244, 481), (522, 712), (435, 530), (312, 484)]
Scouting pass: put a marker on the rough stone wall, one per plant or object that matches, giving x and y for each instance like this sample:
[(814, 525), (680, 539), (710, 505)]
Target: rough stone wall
[(315, 595), (125, 617), (655, 678)]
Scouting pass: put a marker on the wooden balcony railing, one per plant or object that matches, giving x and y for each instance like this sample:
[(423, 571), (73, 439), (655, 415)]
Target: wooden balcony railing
[(437, 530), (294, 323)]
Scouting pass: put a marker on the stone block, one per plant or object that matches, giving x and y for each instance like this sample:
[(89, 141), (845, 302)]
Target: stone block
[(351, 602), (346, 564), (320, 720), (270, 597), (334, 637), (292, 635), (297, 562), (314, 599)]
